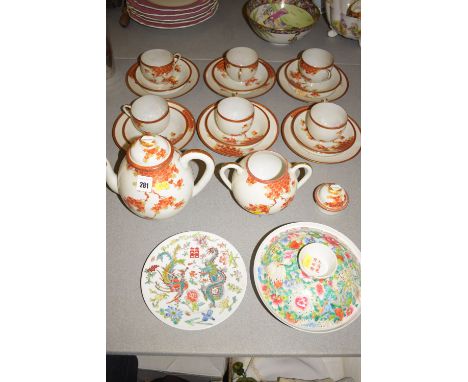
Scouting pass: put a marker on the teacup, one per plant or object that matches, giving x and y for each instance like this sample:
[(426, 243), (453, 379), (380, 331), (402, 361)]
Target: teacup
[(149, 114), (326, 121), (157, 65), (317, 260), (234, 115), (241, 63), (316, 65)]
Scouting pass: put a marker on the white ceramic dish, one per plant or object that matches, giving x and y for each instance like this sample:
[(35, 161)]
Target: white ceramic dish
[(296, 79), (182, 73), (188, 85), (301, 133), (311, 97), (303, 151), (194, 280), (233, 150), (179, 132), (258, 130), (264, 80)]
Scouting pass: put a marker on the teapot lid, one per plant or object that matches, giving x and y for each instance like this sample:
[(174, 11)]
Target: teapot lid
[(149, 151)]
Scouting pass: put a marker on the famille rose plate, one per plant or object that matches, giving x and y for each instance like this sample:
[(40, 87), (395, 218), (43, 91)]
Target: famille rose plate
[(205, 128), (193, 280), (258, 130), (179, 132), (311, 96), (218, 81), (299, 148), (181, 83), (302, 302), (302, 134)]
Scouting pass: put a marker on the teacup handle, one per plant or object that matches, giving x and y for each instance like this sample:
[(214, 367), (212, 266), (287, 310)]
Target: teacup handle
[(222, 173), (127, 109), (177, 57), (209, 162), (308, 172)]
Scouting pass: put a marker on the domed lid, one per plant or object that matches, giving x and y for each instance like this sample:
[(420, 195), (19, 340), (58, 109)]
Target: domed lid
[(149, 151), (331, 197), (308, 276)]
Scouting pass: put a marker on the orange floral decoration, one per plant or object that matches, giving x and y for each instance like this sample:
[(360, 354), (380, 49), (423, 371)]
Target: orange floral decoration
[(276, 189), (258, 209), (251, 179), (155, 151), (228, 151), (137, 204)]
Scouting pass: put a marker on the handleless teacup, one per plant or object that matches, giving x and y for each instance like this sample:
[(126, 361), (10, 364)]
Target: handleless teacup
[(149, 114), (157, 65), (234, 115), (326, 121), (241, 63), (316, 65)]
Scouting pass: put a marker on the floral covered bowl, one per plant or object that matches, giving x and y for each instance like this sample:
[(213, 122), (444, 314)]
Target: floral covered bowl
[(307, 302), (281, 21)]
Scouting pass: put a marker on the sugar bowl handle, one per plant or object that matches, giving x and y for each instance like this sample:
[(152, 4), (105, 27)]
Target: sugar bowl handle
[(308, 172), (127, 109), (177, 57), (227, 166), (209, 162)]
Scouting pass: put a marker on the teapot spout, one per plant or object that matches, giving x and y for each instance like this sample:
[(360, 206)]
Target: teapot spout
[(111, 178)]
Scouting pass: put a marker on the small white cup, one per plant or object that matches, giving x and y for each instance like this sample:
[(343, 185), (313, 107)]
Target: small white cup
[(326, 121), (316, 65), (317, 260), (157, 65), (241, 63), (234, 115), (149, 114)]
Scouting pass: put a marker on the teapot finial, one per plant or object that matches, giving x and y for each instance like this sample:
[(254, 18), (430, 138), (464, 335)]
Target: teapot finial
[(150, 151)]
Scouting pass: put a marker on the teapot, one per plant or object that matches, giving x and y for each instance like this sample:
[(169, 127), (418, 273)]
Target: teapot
[(264, 182), (344, 18), (155, 180)]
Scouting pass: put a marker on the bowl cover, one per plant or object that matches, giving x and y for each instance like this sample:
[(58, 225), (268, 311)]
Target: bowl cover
[(300, 301)]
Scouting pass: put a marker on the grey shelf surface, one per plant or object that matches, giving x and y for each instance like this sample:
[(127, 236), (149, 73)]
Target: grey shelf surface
[(251, 330)]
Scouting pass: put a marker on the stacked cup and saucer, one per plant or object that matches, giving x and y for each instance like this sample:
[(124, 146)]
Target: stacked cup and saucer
[(236, 126), (322, 133), (313, 77), (153, 115), (240, 73), (162, 73)]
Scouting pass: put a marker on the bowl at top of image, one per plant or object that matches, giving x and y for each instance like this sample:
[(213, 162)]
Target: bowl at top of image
[(281, 21)]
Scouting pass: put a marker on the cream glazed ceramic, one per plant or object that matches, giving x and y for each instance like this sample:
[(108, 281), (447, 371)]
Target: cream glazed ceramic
[(331, 198), (154, 180), (264, 182)]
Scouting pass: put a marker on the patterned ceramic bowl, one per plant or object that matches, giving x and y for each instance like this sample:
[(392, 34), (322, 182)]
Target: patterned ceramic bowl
[(281, 21)]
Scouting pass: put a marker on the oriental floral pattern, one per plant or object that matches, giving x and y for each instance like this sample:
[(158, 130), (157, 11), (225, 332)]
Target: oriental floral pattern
[(193, 280), (301, 301)]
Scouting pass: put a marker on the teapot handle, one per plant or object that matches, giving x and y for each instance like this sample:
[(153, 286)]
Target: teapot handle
[(308, 172), (222, 172), (204, 157)]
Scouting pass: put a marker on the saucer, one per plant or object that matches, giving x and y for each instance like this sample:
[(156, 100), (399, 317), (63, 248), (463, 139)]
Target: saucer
[(301, 133), (138, 89), (222, 78), (309, 304), (258, 130), (297, 80), (182, 72), (179, 132), (303, 151), (311, 96), (218, 81), (233, 150), (193, 280)]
